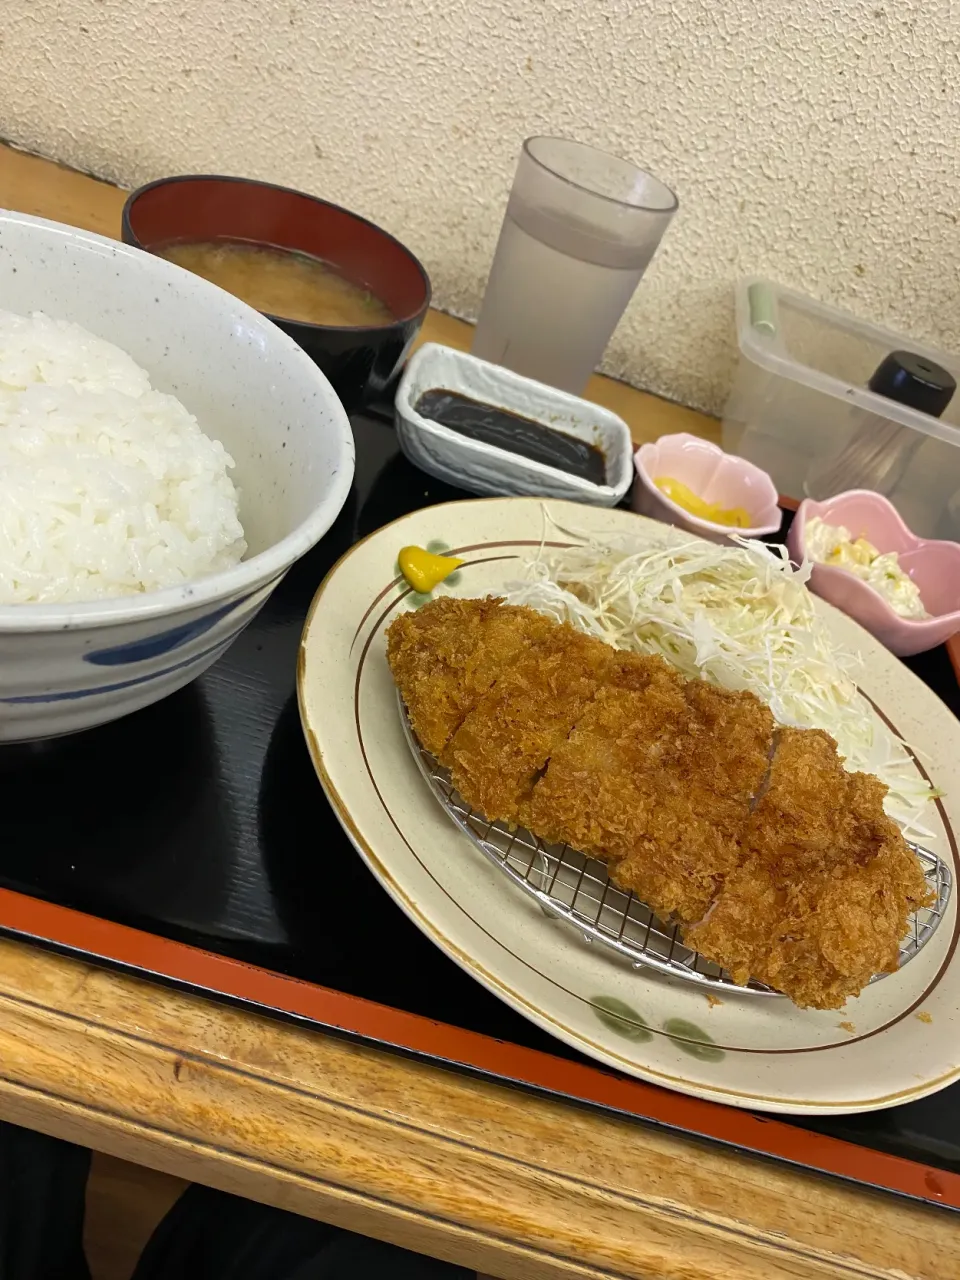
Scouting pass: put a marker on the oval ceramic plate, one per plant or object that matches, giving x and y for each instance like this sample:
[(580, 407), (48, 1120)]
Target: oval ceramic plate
[(898, 1040)]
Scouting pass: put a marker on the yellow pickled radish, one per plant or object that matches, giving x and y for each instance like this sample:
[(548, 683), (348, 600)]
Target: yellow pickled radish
[(684, 497), (423, 570)]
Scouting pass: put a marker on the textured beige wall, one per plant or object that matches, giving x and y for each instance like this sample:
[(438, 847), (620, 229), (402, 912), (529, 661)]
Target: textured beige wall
[(814, 140)]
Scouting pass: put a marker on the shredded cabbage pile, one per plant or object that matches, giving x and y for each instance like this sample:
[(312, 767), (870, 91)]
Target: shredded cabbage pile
[(739, 616)]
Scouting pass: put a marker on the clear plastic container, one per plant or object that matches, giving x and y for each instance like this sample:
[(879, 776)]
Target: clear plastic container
[(800, 397)]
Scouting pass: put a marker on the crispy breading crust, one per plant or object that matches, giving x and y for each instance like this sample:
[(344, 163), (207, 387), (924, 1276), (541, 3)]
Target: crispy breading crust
[(504, 744), (656, 779), (827, 884), (447, 654)]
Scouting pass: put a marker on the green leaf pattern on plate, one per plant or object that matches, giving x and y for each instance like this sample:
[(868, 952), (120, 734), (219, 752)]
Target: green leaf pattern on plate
[(621, 1018), (693, 1040)]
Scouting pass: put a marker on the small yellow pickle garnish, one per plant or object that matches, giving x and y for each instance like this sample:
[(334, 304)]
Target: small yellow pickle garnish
[(423, 570), (684, 497)]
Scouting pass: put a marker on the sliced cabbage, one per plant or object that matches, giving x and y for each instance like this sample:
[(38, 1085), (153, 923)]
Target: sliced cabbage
[(737, 615)]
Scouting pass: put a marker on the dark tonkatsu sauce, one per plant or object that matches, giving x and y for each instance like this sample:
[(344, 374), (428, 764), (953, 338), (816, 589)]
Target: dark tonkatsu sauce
[(513, 432)]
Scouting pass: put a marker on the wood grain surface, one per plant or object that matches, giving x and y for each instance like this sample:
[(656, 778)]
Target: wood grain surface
[(505, 1182), (509, 1184)]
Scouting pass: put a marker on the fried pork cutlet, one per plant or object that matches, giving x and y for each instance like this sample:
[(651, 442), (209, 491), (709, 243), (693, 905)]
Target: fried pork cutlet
[(778, 864), (504, 744), (827, 884), (656, 778), (447, 654)]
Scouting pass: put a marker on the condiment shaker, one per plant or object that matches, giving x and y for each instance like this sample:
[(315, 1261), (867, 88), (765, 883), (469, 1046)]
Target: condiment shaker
[(879, 451)]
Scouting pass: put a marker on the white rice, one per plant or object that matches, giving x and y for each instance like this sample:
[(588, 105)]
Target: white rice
[(107, 487)]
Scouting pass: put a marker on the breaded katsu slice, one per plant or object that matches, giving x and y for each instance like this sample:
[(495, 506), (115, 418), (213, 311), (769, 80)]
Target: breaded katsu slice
[(811, 812), (814, 816), (503, 745), (820, 939), (827, 885), (582, 799), (446, 655), (733, 742), (657, 779)]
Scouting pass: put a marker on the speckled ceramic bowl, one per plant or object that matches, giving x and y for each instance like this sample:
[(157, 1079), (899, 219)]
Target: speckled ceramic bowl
[(933, 565), (712, 475), (68, 667)]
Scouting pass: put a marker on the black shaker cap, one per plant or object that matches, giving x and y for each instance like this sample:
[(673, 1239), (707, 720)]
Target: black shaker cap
[(915, 381)]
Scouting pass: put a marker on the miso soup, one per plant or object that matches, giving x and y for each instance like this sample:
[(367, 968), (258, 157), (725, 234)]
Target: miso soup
[(281, 282)]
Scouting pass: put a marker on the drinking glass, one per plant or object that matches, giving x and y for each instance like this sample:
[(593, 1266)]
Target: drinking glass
[(579, 230)]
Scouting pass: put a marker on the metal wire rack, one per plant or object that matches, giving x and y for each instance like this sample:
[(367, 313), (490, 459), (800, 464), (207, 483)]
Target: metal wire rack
[(575, 889)]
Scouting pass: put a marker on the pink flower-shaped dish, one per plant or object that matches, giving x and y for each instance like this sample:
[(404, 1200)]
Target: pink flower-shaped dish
[(933, 566), (711, 474)]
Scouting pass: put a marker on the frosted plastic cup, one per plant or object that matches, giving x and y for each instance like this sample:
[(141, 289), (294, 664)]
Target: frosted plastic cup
[(578, 233)]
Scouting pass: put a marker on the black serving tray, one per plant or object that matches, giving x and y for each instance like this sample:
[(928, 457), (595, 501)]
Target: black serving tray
[(200, 821)]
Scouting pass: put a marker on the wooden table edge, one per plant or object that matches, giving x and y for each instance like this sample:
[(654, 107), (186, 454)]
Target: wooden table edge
[(494, 1178), (505, 1182)]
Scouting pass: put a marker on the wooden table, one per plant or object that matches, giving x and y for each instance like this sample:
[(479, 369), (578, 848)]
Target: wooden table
[(511, 1184)]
